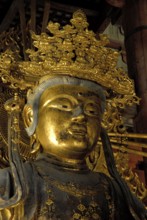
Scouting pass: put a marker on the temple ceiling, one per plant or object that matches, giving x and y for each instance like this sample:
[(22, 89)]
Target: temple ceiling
[(99, 12)]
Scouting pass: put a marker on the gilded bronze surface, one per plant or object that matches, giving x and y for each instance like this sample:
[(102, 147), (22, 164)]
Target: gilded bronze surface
[(71, 50), (71, 175), (69, 122)]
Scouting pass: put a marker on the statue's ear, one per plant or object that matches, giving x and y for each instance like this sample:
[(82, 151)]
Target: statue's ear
[(27, 115)]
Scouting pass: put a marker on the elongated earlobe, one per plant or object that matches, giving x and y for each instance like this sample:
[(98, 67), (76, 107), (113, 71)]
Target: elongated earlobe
[(27, 115), (28, 120)]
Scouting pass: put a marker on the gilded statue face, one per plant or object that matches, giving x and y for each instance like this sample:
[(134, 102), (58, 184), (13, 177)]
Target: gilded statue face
[(68, 121)]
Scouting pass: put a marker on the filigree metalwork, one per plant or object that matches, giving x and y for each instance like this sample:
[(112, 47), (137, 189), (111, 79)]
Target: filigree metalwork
[(112, 119), (73, 50), (70, 50), (132, 178)]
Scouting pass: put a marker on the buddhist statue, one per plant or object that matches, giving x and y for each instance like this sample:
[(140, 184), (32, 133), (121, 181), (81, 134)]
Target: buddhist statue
[(63, 116)]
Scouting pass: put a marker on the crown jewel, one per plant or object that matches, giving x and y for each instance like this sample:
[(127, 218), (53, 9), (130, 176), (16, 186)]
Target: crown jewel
[(71, 50)]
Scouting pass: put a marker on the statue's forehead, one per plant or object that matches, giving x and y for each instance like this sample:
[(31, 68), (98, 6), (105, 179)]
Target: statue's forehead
[(60, 83), (72, 90), (68, 92)]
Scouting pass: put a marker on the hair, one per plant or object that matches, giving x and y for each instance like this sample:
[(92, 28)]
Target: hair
[(34, 97)]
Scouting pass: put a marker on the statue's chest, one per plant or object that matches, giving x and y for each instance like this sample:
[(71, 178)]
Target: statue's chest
[(71, 201)]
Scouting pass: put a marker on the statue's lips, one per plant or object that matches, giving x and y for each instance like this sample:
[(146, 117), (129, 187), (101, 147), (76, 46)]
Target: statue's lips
[(78, 130)]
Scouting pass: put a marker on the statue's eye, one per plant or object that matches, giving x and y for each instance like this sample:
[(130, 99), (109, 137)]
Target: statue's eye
[(92, 109), (61, 104)]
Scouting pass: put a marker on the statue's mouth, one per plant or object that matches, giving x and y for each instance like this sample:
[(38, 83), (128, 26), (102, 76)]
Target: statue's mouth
[(78, 130)]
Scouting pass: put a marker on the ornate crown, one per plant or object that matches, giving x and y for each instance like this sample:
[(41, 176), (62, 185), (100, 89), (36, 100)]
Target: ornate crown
[(71, 50)]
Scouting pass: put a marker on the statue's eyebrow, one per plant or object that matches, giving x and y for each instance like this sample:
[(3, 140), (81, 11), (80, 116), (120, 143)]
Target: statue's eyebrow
[(66, 96)]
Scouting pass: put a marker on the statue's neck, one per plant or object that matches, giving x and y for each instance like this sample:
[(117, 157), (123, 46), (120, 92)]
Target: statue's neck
[(68, 164)]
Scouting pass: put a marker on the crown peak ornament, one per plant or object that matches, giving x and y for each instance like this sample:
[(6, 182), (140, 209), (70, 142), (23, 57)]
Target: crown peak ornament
[(70, 50)]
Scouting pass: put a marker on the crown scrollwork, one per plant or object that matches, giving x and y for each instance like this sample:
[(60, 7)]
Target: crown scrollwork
[(72, 50), (75, 51)]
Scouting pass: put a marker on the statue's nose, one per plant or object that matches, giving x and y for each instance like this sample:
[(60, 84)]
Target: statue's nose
[(78, 115)]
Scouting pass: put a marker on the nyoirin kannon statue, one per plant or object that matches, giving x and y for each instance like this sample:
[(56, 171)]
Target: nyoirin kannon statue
[(63, 116)]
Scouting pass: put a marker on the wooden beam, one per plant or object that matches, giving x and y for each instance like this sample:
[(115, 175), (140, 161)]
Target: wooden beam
[(9, 16), (21, 9), (135, 29), (33, 16), (116, 3), (47, 6), (104, 25), (71, 9)]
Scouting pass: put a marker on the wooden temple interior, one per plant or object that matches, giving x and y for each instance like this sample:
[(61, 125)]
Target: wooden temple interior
[(125, 23)]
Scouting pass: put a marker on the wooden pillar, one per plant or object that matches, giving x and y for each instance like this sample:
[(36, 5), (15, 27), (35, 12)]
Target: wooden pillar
[(135, 28), (116, 3)]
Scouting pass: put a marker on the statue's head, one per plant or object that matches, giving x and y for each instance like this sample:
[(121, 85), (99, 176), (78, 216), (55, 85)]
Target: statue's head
[(74, 51), (64, 114)]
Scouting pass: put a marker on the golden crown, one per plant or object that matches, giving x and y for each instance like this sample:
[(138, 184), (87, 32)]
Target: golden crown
[(71, 50)]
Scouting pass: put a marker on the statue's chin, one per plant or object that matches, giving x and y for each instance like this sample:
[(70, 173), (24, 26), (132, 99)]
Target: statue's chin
[(72, 147), (74, 154)]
